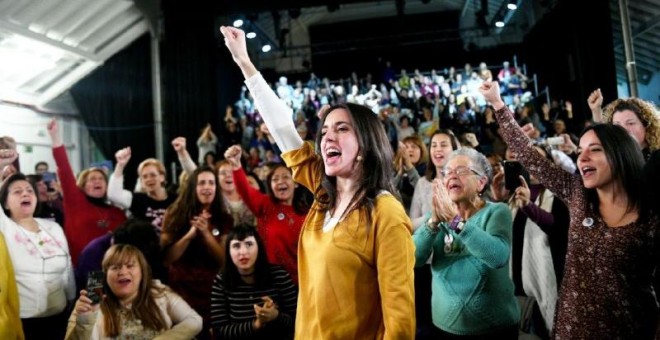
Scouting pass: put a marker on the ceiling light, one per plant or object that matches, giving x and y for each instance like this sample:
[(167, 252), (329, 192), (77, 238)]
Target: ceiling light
[(238, 23), (266, 48), (499, 24), (512, 6), (251, 35)]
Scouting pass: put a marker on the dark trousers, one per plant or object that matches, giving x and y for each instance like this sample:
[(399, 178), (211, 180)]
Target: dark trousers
[(50, 327), (423, 279)]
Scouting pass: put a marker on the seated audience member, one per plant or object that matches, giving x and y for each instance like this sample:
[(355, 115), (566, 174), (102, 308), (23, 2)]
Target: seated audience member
[(133, 305), (136, 232), (252, 299)]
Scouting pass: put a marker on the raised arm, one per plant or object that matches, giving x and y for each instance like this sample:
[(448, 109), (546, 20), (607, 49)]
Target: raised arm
[(276, 114), (560, 182), (187, 164), (595, 102), (254, 199), (116, 192), (70, 190)]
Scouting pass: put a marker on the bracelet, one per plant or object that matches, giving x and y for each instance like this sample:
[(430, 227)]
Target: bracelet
[(433, 227)]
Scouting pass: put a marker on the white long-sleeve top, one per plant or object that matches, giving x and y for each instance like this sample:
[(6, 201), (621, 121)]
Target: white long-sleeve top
[(42, 265), (275, 113), (181, 321), (117, 194)]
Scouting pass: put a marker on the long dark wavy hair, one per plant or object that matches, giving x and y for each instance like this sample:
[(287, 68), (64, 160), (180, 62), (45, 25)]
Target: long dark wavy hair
[(626, 161), (187, 205), (376, 164), (262, 272), (431, 172)]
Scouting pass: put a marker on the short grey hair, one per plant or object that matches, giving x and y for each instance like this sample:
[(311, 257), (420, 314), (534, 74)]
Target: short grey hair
[(479, 162)]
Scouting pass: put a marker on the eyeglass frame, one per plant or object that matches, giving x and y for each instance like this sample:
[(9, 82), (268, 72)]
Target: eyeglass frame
[(444, 172)]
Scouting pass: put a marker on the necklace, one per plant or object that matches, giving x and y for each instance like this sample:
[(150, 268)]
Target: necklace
[(102, 221)]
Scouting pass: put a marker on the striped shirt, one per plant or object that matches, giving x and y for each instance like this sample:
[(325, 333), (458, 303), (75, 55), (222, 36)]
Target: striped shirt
[(232, 312)]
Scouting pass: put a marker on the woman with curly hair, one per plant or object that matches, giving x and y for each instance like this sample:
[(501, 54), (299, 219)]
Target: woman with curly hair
[(639, 117)]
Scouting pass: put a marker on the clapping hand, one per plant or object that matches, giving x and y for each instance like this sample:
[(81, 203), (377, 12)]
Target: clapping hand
[(266, 313), (444, 209)]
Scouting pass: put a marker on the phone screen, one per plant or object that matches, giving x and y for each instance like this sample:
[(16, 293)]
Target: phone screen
[(95, 286), (512, 172)]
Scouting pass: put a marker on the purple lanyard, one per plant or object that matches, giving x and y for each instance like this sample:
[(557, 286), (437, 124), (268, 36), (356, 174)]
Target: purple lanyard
[(453, 225)]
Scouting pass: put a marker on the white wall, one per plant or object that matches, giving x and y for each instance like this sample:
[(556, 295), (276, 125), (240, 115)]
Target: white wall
[(33, 142)]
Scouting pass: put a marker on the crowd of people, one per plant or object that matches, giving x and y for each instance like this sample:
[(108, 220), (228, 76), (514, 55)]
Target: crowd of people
[(424, 207)]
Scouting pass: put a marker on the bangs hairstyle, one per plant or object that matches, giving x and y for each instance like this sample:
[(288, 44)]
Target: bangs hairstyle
[(144, 307), (151, 162), (300, 204), (84, 176), (647, 113), (262, 272), (424, 152), (431, 172), (626, 163), (376, 167), (4, 191)]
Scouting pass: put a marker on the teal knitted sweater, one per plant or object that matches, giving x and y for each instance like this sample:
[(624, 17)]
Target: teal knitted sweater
[(472, 291)]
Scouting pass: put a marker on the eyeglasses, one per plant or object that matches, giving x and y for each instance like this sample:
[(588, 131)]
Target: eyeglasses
[(460, 171)]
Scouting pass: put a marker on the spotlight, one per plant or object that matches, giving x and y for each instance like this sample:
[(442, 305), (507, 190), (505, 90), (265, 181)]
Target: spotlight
[(266, 48), (251, 35), (238, 23), (499, 24), (512, 5)]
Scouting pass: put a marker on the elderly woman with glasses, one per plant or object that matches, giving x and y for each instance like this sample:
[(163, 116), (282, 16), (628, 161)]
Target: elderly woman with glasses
[(471, 241)]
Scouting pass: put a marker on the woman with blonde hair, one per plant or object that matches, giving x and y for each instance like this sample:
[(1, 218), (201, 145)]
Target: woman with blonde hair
[(133, 306), (151, 202)]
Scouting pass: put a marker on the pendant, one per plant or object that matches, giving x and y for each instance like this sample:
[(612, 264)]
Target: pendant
[(215, 232), (588, 222), (281, 216), (102, 224), (449, 239)]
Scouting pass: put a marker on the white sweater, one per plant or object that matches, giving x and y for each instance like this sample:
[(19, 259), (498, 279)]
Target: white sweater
[(42, 265)]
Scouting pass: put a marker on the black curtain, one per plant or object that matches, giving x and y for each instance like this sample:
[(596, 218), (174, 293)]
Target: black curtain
[(115, 102), (190, 91), (573, 55)]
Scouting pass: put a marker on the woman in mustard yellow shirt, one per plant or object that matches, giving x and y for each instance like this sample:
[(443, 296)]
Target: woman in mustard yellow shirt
[(10, 322), (355, 255)]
